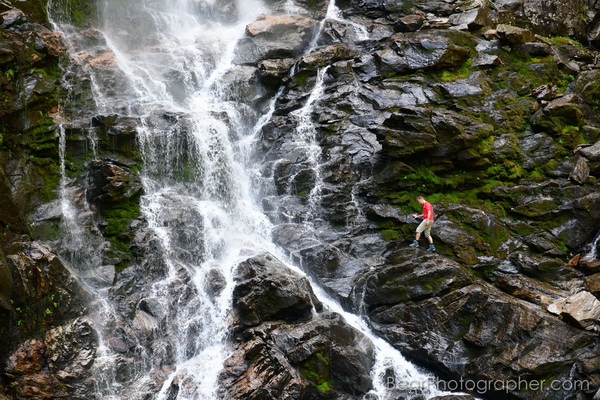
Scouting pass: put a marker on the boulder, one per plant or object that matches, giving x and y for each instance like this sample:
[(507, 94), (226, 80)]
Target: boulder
[(592, 284), (242, 83), (272, 72), (581, 309), (546, 269), (471, 19), (409, 23), (406, 282), (559, 114), (422, 50), (268, 290), (367, 8), (326, 56), (12, 18), (514, 35), (536, 49), (543, 17), (483, 60), (273, 37), (114, 181), (593, 35), (588, 84), (591, 153), (581, 171), (320, 359), (525, 288)]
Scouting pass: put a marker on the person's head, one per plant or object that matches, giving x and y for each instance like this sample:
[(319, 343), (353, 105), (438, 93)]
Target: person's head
[(420, 199)]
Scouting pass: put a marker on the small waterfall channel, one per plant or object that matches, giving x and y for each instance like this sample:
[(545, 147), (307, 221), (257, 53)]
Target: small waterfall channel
[(169, 66)]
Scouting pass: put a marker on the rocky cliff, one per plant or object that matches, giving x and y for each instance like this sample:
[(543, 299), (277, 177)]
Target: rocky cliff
[(489, 109)]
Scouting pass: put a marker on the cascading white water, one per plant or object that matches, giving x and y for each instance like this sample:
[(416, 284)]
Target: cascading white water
[(81, 248), (199, 201), (207, 222), (591, 253), (306, 141), (197, 197)]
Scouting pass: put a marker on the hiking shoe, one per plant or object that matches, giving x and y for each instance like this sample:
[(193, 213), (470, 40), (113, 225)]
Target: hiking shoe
[(431, 248), (414, 244)]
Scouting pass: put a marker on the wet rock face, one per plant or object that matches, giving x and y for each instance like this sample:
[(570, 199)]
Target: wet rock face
[(113, 181), (443, 320), (285, 346), (55, 367), (46, 302), (475, 105), (430, 100)]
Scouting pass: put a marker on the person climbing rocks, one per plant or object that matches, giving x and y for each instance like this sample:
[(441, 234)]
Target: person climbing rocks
[(425, 225)]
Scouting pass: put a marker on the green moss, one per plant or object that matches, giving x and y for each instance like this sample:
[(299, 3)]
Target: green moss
[(301, 78), (449, 75), (433, 284), (571, 136), (389, 234), (80, 13), (325, 386), (119, 216), (507, 170), (423, 175), (117, 231), (564, 40), (316, 369), (485, 146)]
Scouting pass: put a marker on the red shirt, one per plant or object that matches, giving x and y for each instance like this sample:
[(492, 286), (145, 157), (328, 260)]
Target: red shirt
[(427, 207)]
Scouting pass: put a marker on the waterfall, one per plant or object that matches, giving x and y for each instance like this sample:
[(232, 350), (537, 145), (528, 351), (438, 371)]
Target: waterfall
[(591, 250), (306, 141), (199, 200)]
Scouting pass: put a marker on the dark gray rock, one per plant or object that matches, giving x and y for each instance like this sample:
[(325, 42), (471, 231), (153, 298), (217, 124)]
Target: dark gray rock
[(273, 37), (283, 349), (242, 83), (536, 49), (267, 290), (421, 50), (471, 19), (114, 181), (476, 319), (409, 23), (12, 17), (581, 171), (545, 18), (514, 35), (274, 71), (544, 268), (559, 113)]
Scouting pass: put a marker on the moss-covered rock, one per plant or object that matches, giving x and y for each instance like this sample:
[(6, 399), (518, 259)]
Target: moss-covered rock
[(80, 13), (35, 10)]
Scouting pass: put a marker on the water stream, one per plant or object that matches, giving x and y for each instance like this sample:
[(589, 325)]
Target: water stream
[(200, 201)]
